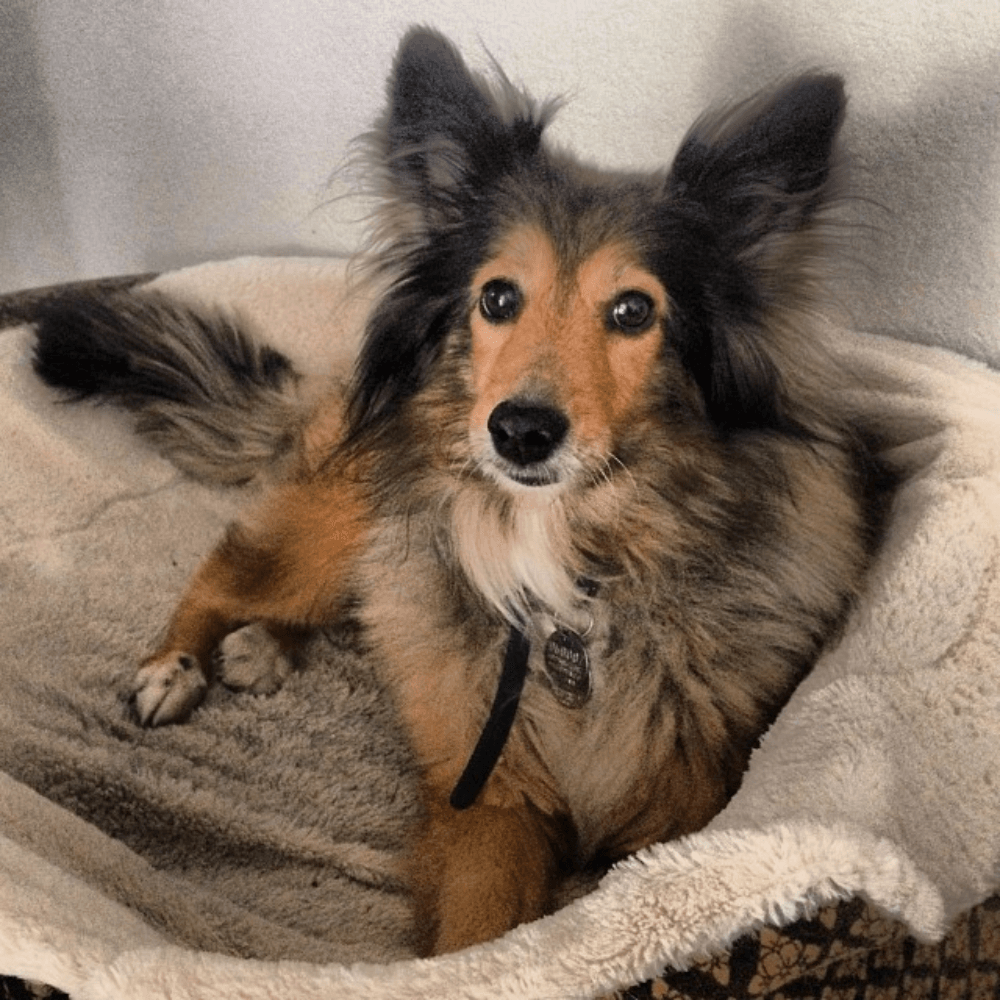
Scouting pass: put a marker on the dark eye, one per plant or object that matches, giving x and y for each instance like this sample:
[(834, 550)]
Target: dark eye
[(500, 301), (632, 312)]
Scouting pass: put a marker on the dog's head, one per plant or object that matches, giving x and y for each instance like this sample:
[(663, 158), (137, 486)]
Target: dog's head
[(587, 304)]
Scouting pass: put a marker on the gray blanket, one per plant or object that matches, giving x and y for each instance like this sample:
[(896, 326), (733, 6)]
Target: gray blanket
[(196, 861)]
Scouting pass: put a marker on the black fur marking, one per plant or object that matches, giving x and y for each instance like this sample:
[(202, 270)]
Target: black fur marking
[(762, 154), (447, 136), (745, 185), (401, 347), (217, 404), (132, 348)]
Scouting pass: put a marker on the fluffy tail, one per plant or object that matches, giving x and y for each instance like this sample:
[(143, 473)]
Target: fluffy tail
[(217, 404)]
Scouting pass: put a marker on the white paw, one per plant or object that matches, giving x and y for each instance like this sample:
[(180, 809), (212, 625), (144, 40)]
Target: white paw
[(252, 660), (168, 689)]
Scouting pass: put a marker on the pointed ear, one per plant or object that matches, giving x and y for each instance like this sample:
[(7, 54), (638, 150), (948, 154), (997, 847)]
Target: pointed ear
[(764, 166), (447, 133), (752, 182)]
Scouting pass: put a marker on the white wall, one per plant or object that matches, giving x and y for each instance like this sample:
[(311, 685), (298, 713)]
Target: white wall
[(143, 134)]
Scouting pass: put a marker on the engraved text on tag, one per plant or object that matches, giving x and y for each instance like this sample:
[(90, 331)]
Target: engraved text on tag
[(567, 667)]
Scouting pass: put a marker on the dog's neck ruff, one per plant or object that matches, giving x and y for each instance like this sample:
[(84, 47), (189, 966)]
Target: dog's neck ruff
[(518, 558)]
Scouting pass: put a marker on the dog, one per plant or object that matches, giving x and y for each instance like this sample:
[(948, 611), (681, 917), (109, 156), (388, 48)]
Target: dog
[(589, 491)]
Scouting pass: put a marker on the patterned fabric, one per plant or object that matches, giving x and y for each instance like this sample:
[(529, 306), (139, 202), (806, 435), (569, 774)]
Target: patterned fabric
[(847, 952)]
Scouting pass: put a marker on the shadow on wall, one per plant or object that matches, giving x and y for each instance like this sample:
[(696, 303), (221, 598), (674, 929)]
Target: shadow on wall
[(924, 248), (923, 259), (932, 262)]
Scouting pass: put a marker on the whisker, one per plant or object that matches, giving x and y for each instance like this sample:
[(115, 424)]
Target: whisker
[(613, 458), (603, 474)]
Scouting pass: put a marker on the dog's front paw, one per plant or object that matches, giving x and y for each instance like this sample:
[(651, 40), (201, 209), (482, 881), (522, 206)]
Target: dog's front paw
[(168, 689), (252, 660)]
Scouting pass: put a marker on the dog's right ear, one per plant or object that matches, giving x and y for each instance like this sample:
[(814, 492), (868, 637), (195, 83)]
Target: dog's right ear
[(447, 134)]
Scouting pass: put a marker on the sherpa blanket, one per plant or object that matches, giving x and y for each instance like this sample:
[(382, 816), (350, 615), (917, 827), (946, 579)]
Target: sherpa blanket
[(252, 853)]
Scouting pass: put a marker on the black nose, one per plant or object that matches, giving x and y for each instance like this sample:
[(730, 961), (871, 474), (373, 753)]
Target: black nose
[(526, 434)]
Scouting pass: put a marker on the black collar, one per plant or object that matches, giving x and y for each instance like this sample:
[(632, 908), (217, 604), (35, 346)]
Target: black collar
[(494, 735), (497, 728)]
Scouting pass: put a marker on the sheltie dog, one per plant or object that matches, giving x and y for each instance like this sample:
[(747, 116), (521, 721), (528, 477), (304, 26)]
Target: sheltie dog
[(588, 491)]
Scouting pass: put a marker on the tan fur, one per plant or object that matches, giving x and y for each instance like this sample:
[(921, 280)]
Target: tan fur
[(480, 872), (285, 565), (559, 347), (675, 708)]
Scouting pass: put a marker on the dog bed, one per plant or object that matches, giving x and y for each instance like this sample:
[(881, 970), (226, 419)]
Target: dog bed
[(254, 852)]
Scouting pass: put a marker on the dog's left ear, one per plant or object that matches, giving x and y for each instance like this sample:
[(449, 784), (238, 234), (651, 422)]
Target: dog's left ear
[(447, 134), (752, 181), (763, 167)]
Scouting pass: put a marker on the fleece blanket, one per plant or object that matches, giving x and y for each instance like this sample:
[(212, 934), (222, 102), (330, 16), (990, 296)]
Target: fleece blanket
[(254, 851)]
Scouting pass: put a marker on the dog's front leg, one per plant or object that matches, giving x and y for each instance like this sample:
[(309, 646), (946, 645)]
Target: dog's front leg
[(479, 872), (284, 567), (171, 682)]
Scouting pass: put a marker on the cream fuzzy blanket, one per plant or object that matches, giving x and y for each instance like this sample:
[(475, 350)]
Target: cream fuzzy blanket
[(252, 852)]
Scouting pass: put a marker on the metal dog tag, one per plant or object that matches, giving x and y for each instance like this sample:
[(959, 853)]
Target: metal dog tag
[(567, 667)]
